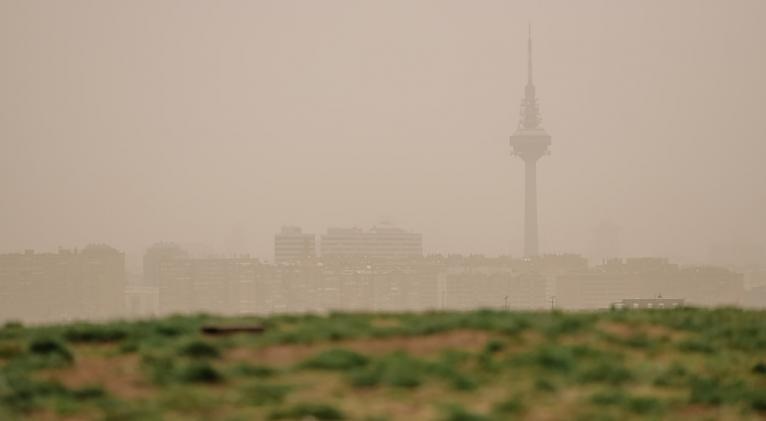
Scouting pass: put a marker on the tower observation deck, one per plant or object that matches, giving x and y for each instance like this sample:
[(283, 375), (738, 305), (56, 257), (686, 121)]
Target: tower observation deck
[(530, 142)]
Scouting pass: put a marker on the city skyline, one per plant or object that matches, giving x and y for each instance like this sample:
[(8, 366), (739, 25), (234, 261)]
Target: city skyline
[(218, 134), (92, 283)]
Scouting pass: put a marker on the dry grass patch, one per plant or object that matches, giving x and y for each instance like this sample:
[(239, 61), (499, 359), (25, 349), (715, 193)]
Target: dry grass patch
[(119, 375), (464, 340), (626, 331), (51, 415), (385, 322), (283, 355)]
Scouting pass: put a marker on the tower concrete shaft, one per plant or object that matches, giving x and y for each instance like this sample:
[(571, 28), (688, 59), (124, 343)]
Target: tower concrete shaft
[(530, 208)]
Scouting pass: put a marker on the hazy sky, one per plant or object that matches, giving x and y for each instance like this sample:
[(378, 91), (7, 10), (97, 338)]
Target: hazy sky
[(131, 122)]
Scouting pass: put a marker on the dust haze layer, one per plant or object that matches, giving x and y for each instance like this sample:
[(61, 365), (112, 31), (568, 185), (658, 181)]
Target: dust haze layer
[(215, 123)]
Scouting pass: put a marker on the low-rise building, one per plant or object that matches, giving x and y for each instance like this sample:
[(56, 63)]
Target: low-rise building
[(658, 303), (293, 245), (67, 285), (377, 243), (212, 285)]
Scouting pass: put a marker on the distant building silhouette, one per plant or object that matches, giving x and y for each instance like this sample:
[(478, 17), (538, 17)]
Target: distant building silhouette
[(658, 303), (213, 285), (67, 285), (293, 245), (141, 300), (156, 255), (142, 297), (90, 284), (377, 243), (644, 278), (755, 297), (468, 287), (530, 142)]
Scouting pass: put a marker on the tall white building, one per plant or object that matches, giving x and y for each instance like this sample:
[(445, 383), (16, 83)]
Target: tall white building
[(292, 245), (378, 242)]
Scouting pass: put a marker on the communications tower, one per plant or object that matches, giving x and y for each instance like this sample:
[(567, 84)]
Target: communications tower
[(530, 142)]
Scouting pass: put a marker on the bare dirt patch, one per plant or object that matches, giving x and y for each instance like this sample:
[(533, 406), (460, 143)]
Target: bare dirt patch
[(120, 375), (385, 322), (626, 331), (466, 340), (50, 415)]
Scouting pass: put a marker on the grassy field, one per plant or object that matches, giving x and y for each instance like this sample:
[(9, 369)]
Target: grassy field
[(484, 365)]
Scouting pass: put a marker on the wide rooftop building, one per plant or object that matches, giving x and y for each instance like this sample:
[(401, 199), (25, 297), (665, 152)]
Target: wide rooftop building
[(376, 243), (293, 245)]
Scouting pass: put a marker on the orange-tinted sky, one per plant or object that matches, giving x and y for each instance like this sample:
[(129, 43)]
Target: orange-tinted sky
[(131, 122)]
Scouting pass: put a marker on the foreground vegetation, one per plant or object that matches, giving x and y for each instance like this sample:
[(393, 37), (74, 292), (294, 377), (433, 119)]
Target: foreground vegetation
[(484, 365)]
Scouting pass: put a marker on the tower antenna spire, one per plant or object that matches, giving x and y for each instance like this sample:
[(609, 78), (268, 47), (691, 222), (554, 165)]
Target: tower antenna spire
[(529, 53), (530, 113)]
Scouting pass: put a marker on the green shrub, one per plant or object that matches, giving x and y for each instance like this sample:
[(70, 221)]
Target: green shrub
[(119, 410), (402, 371), (11, 329), (366, 377), (13, 325), (51, 349), (199, 372), (512, 406), (514, 326), (453, 357), (459, 381), (10, 350), (589, 415), (263, 393), (161, 368), (455, 412), (169, 330), (566, 324), (336, 359), (606, 371), (300, 411), (21, 393), (610, 397), (397, 370), (545, 385), (418, 326), (644, 405), (249, 370), (493, 346), (487, 363), (377, 418), (640, 341), (94, 334), (554, 358), (88, 393), (697, 346), (715, 391), (759, 368), (562, 359), (758, 400), (673, 376), (199, 349), (128, 347), (446, 369), (194, 403)]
